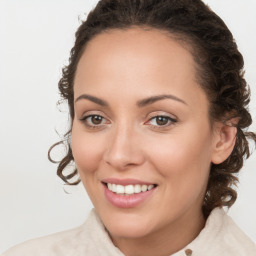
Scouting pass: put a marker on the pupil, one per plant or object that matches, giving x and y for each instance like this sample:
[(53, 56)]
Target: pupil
[(96, 119), (161, 120)]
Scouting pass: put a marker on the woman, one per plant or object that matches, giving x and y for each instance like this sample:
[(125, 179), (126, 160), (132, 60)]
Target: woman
[(158, 105)]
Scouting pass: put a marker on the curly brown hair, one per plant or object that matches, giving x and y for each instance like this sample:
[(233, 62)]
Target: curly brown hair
[(220, 74)]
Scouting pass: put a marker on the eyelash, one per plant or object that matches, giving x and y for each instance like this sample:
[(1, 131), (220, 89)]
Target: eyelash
[(170, 120), (84, 120)]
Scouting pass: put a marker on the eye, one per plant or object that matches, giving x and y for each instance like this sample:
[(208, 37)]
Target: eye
[(94, 121), (161, 121)]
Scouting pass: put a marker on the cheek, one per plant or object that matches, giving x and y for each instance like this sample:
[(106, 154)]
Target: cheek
[(183, 159), (184, 166), (176, 152), (87, 151)]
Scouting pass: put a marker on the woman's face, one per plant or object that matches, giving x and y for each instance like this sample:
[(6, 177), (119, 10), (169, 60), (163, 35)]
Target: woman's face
[(141, 118)]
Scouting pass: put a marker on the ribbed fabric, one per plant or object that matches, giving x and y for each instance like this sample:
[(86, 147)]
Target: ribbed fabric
[(220, 237)]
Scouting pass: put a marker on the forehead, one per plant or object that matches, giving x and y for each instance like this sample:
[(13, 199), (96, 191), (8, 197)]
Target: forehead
[(136, 61), (136, 43)]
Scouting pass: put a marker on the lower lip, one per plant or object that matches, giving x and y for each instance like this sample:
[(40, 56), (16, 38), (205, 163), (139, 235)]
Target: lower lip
[(130, 201)]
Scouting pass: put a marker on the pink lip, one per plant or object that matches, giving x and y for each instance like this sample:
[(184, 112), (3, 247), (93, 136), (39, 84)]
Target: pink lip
[(125, 182), (130, 201)]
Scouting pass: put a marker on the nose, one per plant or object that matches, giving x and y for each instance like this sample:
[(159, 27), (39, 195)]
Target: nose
[(123, 149)]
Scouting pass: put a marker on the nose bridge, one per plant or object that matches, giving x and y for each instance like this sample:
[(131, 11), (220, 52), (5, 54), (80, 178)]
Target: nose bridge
[(122, 149)]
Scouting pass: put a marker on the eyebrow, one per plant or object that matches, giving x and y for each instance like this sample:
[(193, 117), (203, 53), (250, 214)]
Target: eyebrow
[(153, 99), (93, 99), (140, 103)]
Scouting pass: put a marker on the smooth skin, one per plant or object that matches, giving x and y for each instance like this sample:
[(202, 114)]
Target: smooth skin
[(167, 141)]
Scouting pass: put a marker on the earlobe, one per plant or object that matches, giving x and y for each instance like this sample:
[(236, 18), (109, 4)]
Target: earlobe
[(224, 142)]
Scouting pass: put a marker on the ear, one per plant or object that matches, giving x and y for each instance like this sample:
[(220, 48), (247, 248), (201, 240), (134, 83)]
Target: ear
[(224, 141)]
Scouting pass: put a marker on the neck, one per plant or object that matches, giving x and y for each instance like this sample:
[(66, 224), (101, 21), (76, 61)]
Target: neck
[(165, 241)]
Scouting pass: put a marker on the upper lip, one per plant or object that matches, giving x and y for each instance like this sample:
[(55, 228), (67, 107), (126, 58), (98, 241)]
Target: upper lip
[(125, 182)]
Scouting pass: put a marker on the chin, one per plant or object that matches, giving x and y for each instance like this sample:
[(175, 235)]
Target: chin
[(128, 225), (125, 230)]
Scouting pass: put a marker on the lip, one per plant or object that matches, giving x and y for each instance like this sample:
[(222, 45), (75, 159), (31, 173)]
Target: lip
[(125, 182), (127, 201)]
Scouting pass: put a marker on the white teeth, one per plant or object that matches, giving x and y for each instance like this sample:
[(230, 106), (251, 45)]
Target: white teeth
[(119, 189), (129, 189), (110, 186), (113, 187), (137, 188), (144, 188), (150, 187)]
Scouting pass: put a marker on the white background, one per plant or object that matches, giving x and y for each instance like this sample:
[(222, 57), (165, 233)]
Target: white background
[(35, 39)]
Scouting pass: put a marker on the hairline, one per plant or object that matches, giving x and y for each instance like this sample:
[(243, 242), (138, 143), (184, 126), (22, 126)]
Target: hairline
[(182, 38)]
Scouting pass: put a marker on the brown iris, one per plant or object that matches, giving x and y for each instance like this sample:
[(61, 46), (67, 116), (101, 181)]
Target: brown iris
[(161, 120), (96, 120)]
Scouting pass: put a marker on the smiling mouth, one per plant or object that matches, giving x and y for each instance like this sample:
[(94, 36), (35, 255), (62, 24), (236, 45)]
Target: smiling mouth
[(129, 189)]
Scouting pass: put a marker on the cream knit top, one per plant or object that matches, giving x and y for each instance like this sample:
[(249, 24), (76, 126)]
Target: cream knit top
[(220, 237)]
